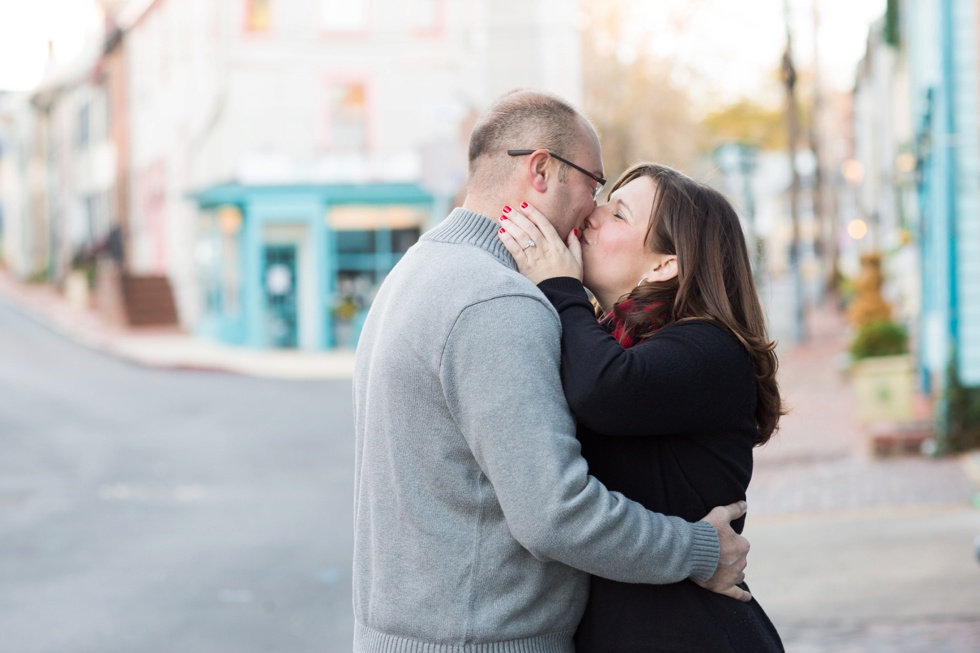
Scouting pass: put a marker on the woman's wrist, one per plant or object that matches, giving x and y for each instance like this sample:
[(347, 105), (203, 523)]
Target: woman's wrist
[(566, 285)]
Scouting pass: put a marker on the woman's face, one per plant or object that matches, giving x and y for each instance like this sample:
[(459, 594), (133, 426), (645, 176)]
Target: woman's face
[(615, 257)]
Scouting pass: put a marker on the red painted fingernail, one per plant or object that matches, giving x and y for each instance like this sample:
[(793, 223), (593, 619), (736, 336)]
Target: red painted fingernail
[(523, 205), (575, 232), (502, 230), (507, 209), (503, 217)]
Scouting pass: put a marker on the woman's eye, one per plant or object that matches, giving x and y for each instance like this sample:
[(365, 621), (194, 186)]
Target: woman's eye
[(616, 215)]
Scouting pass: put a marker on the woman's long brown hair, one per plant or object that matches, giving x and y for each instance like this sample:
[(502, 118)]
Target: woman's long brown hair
[(714, 280)]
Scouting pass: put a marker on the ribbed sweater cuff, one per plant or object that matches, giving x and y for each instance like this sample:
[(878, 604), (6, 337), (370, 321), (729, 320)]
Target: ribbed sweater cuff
[(705, 553), (367, 639)]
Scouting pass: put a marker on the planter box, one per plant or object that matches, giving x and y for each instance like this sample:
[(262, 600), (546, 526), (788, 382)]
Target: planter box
[(76, 290), (899, 438), (885, 387)]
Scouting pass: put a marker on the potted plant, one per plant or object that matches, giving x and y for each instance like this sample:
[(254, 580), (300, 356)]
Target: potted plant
[(882, 372), (345, 310)]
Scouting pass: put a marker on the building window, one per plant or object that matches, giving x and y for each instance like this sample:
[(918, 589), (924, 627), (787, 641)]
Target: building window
[(257, 15), (107, 99), (83, 127), (217, 255), (89, 229), (343, 15), (97, 220), (348, 117)]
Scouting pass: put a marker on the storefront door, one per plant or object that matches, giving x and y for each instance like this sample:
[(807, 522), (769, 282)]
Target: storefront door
[(279, 283)]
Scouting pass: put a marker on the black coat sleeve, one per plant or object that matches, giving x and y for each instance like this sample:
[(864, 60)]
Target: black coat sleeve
[(690, 377)]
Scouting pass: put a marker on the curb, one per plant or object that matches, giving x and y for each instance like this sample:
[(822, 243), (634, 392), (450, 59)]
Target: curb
[(175, 351)]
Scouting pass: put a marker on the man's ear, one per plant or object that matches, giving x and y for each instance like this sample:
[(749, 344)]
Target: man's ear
[(663, 269), (538, 173)]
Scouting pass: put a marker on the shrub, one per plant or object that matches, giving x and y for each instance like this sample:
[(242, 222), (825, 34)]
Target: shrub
[(962, 418), (882, 338)]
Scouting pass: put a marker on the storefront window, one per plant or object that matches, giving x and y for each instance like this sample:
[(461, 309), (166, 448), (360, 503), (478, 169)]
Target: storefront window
[(402, 239), (207, 258), (355, 242), (370, 241), (217, 257)]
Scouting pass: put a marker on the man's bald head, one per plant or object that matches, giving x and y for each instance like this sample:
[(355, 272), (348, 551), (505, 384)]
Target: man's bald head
[(521, 119)]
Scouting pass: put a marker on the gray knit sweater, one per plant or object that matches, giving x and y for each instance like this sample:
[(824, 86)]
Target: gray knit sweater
[(477, 523)]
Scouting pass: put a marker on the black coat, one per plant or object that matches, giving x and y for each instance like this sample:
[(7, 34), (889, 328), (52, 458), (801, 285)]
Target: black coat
[(670, 424)]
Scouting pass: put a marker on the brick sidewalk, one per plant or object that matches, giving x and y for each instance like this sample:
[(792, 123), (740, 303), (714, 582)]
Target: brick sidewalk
[(819, 467), (820, 461)]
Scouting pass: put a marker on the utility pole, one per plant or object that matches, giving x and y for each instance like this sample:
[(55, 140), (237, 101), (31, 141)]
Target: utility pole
[(793, 128), (823, 214)]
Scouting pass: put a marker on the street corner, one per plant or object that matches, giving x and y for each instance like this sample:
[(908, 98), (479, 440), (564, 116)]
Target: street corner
[(169, 348)]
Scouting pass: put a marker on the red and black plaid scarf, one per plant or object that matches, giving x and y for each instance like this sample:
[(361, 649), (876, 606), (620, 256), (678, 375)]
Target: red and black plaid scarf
[(619, 326)]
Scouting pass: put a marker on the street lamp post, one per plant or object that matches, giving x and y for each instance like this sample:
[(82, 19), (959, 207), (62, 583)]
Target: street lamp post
[(792, 124)]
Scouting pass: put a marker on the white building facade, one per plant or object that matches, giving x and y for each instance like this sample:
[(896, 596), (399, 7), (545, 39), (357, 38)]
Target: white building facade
[(312, 140), (271, 159)]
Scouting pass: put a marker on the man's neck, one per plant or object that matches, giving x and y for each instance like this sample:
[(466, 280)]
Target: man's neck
[(489, 207)]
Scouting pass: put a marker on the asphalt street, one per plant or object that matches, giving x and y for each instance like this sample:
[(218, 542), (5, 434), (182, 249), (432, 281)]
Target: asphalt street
[(156, 511), (149, 511)]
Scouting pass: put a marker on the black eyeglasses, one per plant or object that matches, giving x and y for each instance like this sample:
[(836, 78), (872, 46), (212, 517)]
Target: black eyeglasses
[(596, 178)]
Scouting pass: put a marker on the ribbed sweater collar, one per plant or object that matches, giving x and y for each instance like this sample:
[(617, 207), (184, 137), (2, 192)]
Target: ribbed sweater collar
[(466, 227)]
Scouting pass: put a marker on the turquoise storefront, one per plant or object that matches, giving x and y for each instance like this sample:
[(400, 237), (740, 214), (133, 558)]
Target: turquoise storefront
[(297, 266)]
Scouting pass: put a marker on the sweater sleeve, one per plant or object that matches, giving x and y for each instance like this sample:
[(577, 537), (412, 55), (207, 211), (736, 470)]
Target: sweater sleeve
[(504, 391), (678, 381)]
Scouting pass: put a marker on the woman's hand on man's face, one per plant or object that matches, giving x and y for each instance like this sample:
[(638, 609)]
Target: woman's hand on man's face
[(536, 246)]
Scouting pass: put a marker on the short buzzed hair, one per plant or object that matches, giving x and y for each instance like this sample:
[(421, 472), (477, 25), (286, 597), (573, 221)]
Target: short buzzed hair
[(521, 119)]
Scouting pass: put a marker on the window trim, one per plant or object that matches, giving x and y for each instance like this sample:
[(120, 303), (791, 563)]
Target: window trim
[(370, 117)]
